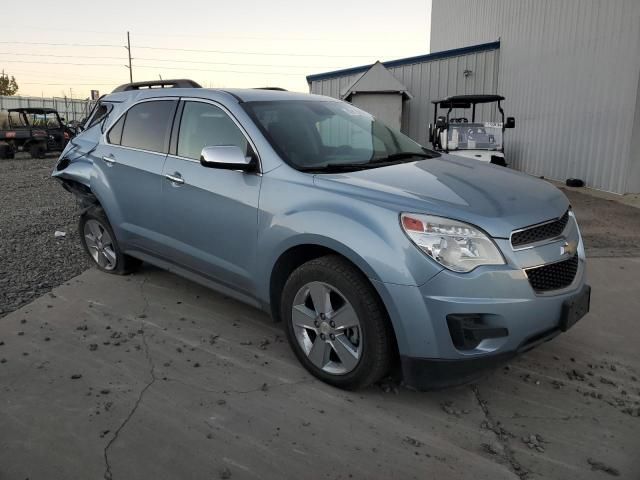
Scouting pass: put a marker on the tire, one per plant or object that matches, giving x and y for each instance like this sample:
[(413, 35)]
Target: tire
[(101, 245), (37, 150), (574, 182), (5, 151), (321, 345)]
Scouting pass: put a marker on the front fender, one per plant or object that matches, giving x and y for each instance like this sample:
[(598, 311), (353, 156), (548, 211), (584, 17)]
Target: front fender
[(293, 214)]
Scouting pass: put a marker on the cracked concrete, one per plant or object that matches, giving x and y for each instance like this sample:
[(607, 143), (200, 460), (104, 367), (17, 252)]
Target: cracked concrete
[(107, 472), (157, 399), (501, 434)]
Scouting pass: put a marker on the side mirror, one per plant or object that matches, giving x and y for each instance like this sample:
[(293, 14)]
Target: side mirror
[(511, 123), (227, 157), (441, 121)]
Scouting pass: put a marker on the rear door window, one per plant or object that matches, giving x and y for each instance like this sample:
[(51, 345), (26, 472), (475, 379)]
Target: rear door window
[(147, 126)]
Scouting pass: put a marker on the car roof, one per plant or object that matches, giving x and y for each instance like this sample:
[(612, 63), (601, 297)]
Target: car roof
[(465, 101), (239, 94), (33, 110)]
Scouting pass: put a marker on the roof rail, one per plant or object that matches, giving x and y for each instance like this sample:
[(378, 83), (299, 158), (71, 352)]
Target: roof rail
[(279, 89), (179, 83)]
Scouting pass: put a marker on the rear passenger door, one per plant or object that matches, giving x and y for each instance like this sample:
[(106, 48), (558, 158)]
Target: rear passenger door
[(210, 214), (131, 162)]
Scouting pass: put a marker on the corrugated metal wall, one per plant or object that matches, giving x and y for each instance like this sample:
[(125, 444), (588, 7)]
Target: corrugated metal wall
[(430, 80), (67, 108), (570, 71)]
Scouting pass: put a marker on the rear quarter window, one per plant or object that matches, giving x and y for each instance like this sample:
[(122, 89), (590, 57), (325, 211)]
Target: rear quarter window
[(115, 134), (101, 113)]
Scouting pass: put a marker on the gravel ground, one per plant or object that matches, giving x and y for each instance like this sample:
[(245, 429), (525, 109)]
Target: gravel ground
[(34, 206)]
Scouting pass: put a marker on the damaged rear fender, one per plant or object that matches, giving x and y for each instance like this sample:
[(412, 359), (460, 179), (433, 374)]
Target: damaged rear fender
[(88, 184)]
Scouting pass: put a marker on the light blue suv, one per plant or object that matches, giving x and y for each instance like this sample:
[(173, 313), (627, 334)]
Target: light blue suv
[(378, 255)]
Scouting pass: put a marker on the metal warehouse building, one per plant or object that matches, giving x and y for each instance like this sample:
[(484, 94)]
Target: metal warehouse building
[(570, 72)]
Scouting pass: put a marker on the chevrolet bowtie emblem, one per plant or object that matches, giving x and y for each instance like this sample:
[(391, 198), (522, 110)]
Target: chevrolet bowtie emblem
[(569, 248)]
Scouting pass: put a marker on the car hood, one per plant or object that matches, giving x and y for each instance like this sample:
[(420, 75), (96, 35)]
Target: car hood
[(497, 199)]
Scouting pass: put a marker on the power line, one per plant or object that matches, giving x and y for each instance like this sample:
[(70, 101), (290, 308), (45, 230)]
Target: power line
[(61, 44), (66, 84), (188, 69), (282, 38), (234, 52), (159, 67), (230, 63), (65, 63), (174, 60), (57, 56), (223, 36)]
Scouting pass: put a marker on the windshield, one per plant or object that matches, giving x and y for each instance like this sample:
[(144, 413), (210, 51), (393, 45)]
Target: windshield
[(474, 136), (314, 135), (44, 120)]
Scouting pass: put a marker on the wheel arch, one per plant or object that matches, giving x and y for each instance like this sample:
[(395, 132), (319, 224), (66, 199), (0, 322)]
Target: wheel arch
[(299, 254), (301, 251)]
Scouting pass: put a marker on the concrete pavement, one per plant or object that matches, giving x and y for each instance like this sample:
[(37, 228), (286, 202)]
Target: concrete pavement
[(153, 377)]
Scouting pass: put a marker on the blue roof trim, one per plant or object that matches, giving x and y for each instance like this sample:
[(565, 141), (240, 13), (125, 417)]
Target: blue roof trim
[(407, 61)]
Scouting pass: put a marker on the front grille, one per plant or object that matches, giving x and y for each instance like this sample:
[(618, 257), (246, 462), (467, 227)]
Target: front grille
[(554, 276), (541, 232)]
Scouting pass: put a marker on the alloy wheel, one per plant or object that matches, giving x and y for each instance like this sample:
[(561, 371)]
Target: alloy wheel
[(100, 244), (327, 328)]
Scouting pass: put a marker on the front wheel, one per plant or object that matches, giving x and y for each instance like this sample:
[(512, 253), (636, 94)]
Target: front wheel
[(100, 243), (336, 324)]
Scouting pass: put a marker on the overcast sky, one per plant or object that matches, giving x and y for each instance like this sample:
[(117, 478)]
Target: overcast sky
[(272, 43)]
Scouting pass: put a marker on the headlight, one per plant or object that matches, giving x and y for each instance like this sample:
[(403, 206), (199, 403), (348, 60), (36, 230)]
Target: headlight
[(455, 245)]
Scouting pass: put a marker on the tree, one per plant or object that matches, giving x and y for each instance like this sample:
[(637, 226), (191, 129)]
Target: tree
[(8, 86)]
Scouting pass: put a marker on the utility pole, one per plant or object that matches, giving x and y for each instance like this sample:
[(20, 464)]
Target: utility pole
[(128, 47)]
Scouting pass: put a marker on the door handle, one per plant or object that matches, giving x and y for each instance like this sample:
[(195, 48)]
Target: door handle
[(176, 179), (110, 161)]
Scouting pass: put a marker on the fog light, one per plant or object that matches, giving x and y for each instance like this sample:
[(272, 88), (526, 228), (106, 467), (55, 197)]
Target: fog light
[(467, 330)]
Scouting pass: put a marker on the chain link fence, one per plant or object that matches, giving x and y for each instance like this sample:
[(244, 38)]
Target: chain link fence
[(69, 109)]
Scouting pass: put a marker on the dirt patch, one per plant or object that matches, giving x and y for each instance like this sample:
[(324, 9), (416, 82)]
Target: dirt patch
[(609, 228)]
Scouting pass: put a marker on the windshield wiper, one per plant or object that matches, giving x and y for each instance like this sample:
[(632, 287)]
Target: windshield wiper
[(392, 159), (335, 167), (401, 156)]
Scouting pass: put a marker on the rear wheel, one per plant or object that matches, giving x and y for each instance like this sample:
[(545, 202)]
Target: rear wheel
[(336, 324), (100, 243), (37, 150)]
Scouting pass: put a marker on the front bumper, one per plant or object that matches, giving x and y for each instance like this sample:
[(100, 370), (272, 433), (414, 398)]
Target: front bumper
[(433, 374), (500, 298)]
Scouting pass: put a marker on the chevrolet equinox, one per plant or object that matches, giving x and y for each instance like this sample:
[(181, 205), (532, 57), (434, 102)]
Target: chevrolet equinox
[(378, 255)]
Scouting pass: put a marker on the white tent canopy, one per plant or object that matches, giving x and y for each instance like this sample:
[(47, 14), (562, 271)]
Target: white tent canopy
[(375, 80)]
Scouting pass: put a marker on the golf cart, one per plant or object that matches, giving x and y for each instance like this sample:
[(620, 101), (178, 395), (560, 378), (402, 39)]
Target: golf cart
[(33, 130), (481, 141)]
